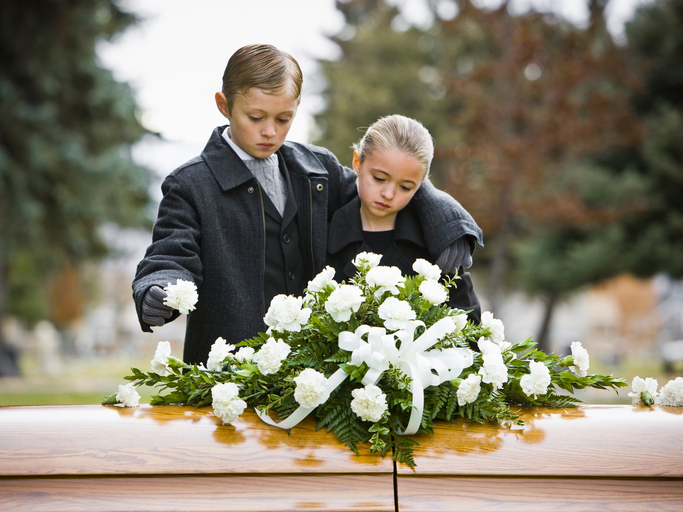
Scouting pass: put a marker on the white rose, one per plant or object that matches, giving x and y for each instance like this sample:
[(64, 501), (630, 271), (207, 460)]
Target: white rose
[(397, 314), (286, 314), (493, 371), (128, 395), (536, 382), (639, 386), (672, 393), (219, 351), (322, 280), (181, 296), (310, 389), (369, 403), (426, 269), (468, 391), (496, 326), (433, 292), (385, 279), (270, 357), (366, 259), (343, 301), (581, 360), (161, 355), (244, 354), (226, 402)]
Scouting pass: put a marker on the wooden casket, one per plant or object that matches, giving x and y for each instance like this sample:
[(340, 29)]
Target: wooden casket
[(168, 458)]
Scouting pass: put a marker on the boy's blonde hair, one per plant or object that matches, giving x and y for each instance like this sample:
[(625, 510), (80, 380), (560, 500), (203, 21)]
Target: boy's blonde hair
[(398, 132), (261, 66)]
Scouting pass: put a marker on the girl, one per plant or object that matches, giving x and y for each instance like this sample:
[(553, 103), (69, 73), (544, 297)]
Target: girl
[(391, 163), (247, 219)]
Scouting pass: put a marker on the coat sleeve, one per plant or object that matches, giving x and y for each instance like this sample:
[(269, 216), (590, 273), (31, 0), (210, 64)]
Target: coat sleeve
[(175, 250), (342, 181), (443, 219), (463, 296)]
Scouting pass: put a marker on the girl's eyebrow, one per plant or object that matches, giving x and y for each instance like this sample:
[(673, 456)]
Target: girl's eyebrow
[(387, 174)]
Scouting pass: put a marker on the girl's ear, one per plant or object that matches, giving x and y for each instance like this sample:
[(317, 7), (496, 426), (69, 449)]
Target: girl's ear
[(356, 162), (222, 104)]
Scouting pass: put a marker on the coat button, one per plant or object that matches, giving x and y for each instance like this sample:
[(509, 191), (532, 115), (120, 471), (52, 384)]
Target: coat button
[(250, 190), (286, 238), (291, 275), (319, 187)]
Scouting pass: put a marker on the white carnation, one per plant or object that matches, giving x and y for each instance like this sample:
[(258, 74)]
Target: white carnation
[(639, 386), (459, 320), (366, 259), (468, 391), (286, 314), (672, 393), (343, 301), (433, 292), (311, 390), (581, 360), (270, 357), (369, 403), (496, 326), (426, 269), (397, 314), (128, 395), (385, 279), (536, 382), (226, 402), (322, 280), (244, 354), (161, 355), (493, 371), (181, 296), (219, 351)]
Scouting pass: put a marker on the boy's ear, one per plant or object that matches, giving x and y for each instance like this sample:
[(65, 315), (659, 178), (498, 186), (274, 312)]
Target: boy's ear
[(222, 104)]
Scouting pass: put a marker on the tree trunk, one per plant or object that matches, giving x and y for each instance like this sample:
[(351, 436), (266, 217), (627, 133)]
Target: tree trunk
[(8, 357), (543, 338)]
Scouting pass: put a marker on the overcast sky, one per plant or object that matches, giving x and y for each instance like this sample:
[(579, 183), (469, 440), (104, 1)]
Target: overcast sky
[(175, 57)]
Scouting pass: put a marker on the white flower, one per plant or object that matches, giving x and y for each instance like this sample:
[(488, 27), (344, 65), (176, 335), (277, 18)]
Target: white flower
[(181, 296), (468, 391), (397, 314), (128, 395), (672, 393), (226, 402), (322, 280), (433, 292), (343, 301), (286, 314), (311, 388), (270, 357), (244, 354), (160, 361), (426, 269), (459, 319), (369, 403), (536, 382), (385, 279), (366, 259), (493, 371), (496, 326), (219, 351), (639, 386), (581, 360)]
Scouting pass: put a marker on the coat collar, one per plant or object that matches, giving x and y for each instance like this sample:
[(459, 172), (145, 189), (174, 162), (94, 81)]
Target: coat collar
[(230, 171)]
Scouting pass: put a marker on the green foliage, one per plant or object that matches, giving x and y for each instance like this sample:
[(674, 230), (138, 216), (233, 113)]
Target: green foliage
[(399, 361)]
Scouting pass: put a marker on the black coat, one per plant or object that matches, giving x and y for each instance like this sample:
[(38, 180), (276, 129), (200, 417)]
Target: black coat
[(345, 241), (210, 230)]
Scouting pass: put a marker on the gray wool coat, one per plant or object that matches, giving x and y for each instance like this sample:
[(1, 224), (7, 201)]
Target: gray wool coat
[(210, 230)]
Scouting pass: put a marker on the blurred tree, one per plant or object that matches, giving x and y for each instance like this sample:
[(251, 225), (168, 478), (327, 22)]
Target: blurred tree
[(65, 169)]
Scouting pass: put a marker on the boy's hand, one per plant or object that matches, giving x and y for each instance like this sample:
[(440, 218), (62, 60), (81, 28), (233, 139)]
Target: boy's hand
[(154, 311), (456, 255)]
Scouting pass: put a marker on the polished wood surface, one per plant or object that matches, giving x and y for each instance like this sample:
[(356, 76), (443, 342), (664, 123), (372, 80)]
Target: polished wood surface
[(87, 458)]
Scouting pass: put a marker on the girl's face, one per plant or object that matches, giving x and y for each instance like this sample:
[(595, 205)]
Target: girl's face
[(259, 120), (387, 181)]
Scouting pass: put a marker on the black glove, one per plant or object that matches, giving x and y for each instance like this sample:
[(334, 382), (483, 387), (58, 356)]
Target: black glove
[(456, 255), (154, 311)]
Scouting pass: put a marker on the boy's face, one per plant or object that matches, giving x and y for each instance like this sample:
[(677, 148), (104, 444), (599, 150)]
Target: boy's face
[(259, 120), (387, 181)]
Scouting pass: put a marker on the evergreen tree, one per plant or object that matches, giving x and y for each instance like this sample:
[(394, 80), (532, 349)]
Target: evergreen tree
[(66, 124)]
